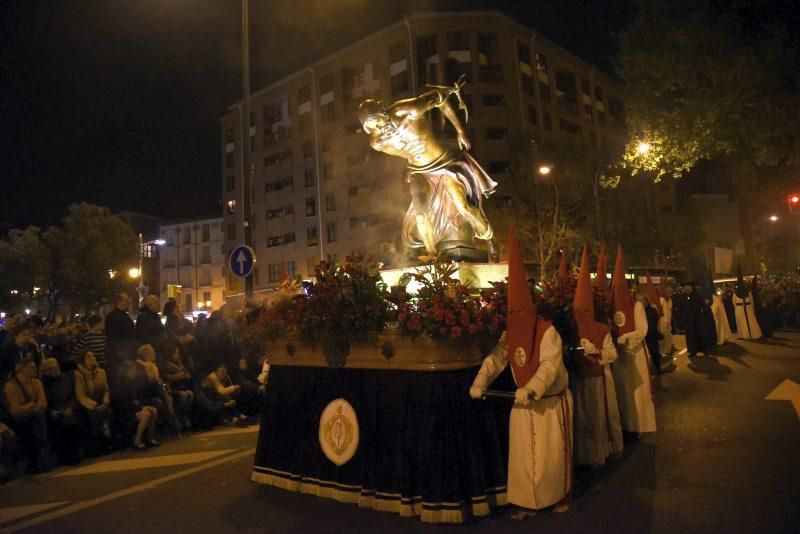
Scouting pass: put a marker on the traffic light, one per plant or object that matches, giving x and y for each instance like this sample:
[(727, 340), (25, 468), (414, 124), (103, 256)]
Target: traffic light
[(794, 203)]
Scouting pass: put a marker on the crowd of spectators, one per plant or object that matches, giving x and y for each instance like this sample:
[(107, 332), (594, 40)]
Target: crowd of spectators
[(86, 386)]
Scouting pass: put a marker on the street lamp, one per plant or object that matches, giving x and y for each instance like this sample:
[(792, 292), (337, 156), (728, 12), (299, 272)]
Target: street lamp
[(138, 272), (643, 148), (544, 170), (134, 272), (774, 218)]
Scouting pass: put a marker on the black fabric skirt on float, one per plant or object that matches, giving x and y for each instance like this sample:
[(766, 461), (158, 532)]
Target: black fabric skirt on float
[(424, 448)]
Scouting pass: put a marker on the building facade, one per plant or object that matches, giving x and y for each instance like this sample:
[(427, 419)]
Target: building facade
[(319, 191), (193, 259)]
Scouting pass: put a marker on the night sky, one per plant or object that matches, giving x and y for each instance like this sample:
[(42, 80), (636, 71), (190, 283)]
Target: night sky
[(117, 102)]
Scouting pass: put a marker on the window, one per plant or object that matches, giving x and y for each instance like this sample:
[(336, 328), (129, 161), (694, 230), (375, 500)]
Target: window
[(311, 264), (616, 108), (228, 136), (496, 133), (330, 230), (601, 117), (455, 69), (598, 93), (187, 235), (278, 185), (365, 221), (325, 84), (397, 52), (457, 41), (311, 206), (306, 122), (330, 201), (275, 123), (569, 127), (587, 111), (277, 213), (207, 296), (231, 232), (327, 171), (585, 87), (532, 116), (524, 54), (327, 142), (309, 178), (205, 256), (308, 149), (311, 236), (497, 167), (229, 160), (304, 94), (489, 68), (426, 68), (230, 183), (328, 112), (546, 122), (493, 100), (527, 83), (566, 91), (206, 232), (541, 63), (274, 272), (291, 268), (278, 240), (284, 157), (186, 259), (188, 300), (399, 83), (544, 92)]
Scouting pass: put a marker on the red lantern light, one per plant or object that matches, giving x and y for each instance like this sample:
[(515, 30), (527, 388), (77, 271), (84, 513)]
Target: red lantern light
[(794, 203)]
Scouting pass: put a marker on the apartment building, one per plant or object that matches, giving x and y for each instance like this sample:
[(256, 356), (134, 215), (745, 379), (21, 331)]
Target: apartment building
[(319, 191), (193, 259)]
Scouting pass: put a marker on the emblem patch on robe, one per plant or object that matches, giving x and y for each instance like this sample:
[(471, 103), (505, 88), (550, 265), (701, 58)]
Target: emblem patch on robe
[(520, 357), (338, 431), (619, 319)]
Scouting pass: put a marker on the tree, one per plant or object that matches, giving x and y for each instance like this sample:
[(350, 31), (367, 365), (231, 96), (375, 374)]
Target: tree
[(713, 81), (95, 251), (23, 267)]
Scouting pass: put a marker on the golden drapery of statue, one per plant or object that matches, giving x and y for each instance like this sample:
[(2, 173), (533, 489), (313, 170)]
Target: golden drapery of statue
[(447, 184)]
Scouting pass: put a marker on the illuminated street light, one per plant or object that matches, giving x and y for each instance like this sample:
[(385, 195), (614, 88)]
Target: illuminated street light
[(159, 242), (199, 303), (544, 170), (773, 218), (112, 274), (643, 148), (133, 272), (208, 304)]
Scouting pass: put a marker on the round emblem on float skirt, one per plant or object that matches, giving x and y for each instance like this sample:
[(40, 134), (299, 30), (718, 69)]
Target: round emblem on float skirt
[(520, 357), (338, 431), (619, 319)]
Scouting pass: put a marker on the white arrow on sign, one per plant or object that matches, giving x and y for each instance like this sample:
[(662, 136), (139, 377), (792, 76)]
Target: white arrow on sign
[(241, 259), (787, 390)]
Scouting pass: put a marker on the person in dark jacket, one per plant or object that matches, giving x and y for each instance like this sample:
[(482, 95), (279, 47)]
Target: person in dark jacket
[(132, 413), (62, 412), (121, 332), (700, 328), (149, 329)]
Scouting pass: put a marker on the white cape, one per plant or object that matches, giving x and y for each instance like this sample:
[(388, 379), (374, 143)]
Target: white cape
[(632, 377), (665, 327), (721, 320), (746, 324)]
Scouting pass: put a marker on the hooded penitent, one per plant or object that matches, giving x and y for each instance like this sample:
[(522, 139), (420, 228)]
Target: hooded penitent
[(741, 288), (525, 328), (563, 267), (652, 295), (620, 302), (600, 281), (585, 324)]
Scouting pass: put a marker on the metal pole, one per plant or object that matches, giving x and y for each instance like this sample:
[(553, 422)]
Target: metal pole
[(141, 272), (246, 166)]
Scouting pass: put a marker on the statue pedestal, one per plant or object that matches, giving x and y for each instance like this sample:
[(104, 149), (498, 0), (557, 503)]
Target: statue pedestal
[(478, 275)]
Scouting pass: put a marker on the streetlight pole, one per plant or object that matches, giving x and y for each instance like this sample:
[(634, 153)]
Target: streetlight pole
[(245, 120), (140, 287)]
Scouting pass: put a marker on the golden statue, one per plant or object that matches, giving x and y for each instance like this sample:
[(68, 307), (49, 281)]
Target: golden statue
[(447, 183)]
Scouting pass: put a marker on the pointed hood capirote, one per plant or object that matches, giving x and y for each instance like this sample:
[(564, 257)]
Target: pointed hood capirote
[(620, 302), (525, 329), (563, 266), (652, 295), (600, 280), (741, 288), (586, 325)]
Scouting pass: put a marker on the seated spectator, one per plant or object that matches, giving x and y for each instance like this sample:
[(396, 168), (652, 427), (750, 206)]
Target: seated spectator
[(157, 394), (179, 380), (218, 386), (130, 406), (27, 406), (94, 397), (20, 345), (94, 340), (62, 407)]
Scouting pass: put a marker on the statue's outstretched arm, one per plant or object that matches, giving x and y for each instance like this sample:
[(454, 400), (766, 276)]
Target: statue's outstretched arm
[(452, 116)]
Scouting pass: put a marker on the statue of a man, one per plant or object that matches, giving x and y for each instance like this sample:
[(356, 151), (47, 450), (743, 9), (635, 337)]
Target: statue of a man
[(447, 183)]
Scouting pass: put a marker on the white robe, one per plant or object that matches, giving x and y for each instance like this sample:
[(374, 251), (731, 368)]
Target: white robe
[(632, 376), (665, 326), (746, 323), (721, 320), (598, 431), (540, 434)]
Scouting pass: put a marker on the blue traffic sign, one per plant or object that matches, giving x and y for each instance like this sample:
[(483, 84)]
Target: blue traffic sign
[(242, 261)]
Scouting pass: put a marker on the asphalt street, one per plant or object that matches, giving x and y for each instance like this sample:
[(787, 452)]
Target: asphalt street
[(724, 459)]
